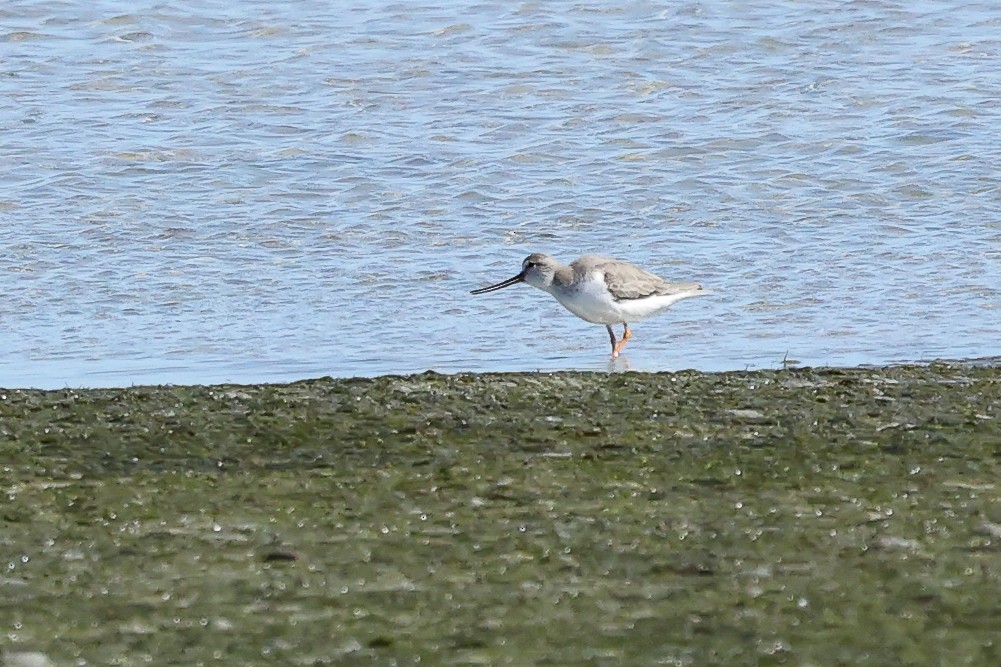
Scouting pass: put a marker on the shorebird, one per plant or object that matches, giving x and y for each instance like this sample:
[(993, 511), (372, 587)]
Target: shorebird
[(601, 290)]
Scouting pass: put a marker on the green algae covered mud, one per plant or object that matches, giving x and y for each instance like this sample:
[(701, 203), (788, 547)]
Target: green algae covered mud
[(800, 517)]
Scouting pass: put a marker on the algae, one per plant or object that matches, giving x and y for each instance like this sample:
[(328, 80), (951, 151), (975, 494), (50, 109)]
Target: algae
[(807, 516)]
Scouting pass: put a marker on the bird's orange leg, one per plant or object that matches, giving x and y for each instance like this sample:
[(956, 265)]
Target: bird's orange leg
[(626, 335)]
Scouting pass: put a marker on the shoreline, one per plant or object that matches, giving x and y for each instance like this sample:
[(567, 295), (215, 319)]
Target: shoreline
[(510, 518)]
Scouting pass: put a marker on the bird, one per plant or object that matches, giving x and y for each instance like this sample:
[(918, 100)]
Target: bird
[(601, 290)]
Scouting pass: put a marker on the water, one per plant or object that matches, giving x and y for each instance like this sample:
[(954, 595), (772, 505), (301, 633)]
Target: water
[(264, 191)]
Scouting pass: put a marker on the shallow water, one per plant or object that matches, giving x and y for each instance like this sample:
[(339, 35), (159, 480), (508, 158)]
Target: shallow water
[(267, 191)]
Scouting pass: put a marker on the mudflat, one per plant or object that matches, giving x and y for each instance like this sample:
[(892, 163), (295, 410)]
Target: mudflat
[(810, 516)]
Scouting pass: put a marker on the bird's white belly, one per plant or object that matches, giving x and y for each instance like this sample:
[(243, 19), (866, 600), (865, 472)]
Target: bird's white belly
[(591, 301)]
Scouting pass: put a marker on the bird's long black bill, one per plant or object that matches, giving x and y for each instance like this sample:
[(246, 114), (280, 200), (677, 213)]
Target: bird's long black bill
[(507, 283)]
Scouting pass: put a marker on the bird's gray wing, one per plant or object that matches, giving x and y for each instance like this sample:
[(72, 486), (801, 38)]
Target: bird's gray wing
[(626, 281)]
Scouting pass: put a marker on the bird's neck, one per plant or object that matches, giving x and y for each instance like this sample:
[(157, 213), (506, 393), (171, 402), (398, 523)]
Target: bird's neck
[(562, 277)]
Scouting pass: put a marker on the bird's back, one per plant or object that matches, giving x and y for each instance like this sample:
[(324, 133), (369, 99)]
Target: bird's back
[(627, 281)]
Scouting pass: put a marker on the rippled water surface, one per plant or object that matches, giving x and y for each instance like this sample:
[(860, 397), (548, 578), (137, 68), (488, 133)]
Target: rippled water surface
[(218, 191)]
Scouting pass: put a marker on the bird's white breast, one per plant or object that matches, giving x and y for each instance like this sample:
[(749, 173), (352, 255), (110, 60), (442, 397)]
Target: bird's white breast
[(590, 300)]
